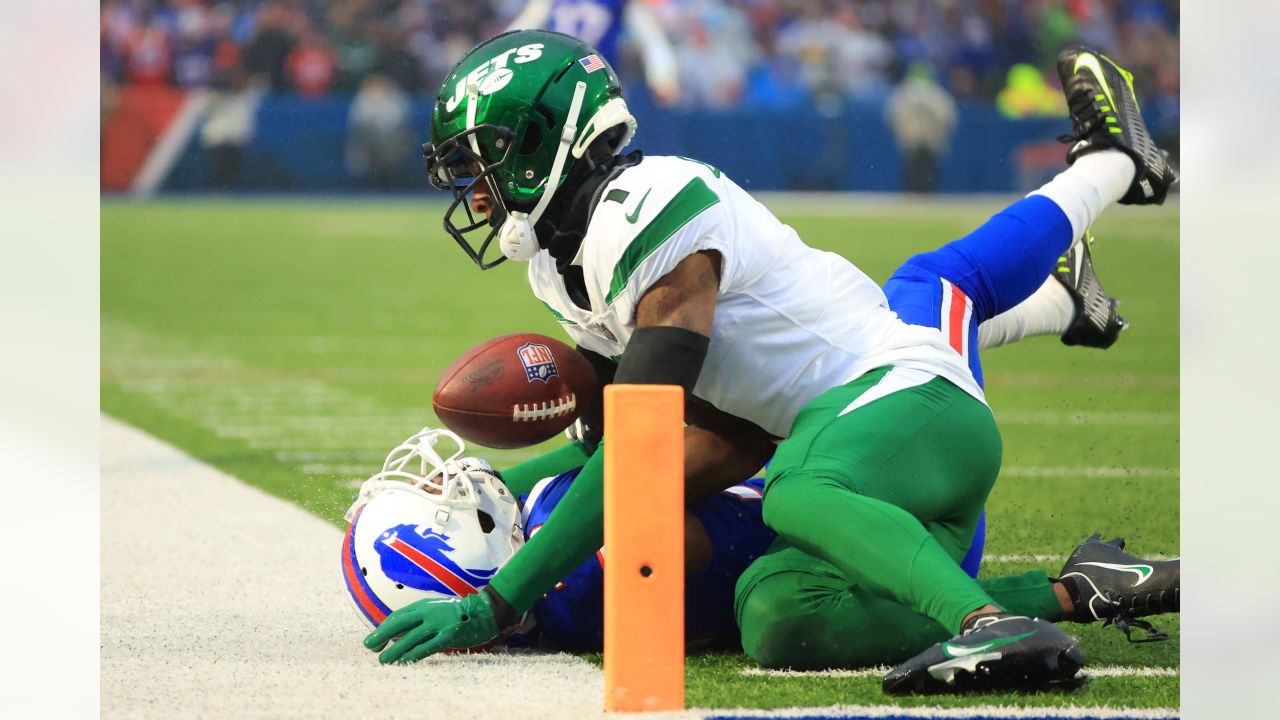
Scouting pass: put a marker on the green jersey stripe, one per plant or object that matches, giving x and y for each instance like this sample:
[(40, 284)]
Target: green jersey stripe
[(560, 317), (685, 206)]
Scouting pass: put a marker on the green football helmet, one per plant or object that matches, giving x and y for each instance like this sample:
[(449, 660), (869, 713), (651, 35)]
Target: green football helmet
[(516, 113)]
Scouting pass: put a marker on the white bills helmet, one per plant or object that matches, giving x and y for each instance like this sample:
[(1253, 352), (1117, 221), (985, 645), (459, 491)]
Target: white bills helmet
[(427, 527)]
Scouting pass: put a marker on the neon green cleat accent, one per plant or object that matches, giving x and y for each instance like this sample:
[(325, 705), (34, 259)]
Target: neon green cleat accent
[(1105, 116)]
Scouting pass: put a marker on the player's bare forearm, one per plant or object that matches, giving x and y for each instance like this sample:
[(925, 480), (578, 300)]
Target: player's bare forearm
[(697, 545), (673, 325), (714, 462)]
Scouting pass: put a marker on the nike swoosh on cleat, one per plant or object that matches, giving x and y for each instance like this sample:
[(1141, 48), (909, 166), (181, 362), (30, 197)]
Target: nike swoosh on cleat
[(1143, 572), (1090, 63), (955, 651)]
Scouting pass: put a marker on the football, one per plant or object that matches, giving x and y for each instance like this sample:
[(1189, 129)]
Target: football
[(513, 391)]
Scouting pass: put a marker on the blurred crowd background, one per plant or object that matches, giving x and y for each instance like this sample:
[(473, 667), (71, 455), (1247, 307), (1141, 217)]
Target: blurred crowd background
[(913, 65)]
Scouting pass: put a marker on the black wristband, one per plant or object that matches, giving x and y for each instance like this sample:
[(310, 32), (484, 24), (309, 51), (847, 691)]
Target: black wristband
[(663, 356)]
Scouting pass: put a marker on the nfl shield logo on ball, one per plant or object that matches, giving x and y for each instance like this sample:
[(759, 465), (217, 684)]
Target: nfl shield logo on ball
[(539, 364)]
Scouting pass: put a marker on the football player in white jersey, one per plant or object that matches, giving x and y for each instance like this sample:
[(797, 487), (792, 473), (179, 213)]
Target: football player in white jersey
[(887, 449)]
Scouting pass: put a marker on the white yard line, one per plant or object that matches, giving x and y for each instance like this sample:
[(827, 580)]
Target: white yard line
[(1062, 471), (1086, 417), (1130, 671), (983, 711), (1100, 671), (1053, 557), (1109, 381)]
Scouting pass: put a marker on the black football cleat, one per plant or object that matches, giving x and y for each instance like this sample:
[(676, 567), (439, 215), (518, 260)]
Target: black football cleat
[(1106, 583), (1096, 323), (993, 652), (1104, 114)]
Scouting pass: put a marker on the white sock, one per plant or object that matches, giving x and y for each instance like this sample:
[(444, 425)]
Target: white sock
[(1086, 188), (1049, 311)]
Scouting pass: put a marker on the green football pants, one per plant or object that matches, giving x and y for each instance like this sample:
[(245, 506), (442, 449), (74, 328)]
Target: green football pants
[(875, 500), (797, 611)]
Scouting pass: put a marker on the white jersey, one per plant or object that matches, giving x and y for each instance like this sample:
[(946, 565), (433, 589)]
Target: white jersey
[(790, 322)]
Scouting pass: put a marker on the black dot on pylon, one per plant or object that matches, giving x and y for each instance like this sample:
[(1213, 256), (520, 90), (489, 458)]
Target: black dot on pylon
[(645, 571)]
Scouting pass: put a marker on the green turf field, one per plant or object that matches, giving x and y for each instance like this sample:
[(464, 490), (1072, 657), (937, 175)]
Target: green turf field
[(293, 343)]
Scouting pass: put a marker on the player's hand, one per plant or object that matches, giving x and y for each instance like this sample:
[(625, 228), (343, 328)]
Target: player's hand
[(429, 626)]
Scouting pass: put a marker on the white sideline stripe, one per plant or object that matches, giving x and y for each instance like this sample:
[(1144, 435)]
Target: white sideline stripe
[(1085, 417), (997, 711), (165, 152), (879, 671), (1028, 557), (1128, 671), (1054, 471), (219, 600), (1111, 381)]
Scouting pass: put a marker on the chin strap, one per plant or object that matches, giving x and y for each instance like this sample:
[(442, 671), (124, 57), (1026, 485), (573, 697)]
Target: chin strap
[(473, 103), (517, 238)]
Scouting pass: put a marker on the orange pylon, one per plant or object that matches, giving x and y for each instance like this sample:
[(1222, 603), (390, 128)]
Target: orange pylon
[(644, 548)]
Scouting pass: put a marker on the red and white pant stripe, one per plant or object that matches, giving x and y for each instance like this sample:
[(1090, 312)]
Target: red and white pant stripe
[(956, 314)]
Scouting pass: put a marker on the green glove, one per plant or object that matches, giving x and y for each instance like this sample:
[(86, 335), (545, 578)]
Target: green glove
[(429, 626)]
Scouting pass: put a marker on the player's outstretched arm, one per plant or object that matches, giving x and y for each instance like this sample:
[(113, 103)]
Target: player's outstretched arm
[(673, 325)]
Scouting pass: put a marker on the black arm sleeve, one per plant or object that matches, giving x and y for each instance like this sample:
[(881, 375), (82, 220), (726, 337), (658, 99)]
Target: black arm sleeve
[(663, 355)]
